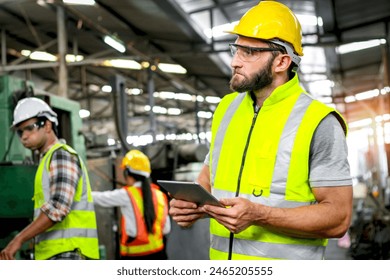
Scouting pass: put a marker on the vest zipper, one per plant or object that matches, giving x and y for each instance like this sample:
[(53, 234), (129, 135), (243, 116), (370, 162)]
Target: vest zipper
[(256, 110)]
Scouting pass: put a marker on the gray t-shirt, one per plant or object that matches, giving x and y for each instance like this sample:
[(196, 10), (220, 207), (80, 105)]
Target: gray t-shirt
[(329, 165), (329, 155)]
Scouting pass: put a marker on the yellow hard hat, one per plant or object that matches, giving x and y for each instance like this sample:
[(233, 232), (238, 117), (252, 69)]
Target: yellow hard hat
[(273, 21), (137, 162)]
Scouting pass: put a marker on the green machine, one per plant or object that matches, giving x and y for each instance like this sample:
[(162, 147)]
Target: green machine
[(18, 164)]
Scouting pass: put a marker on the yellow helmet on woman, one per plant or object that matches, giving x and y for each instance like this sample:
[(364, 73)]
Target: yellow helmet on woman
[(137, 163), (275, 22)]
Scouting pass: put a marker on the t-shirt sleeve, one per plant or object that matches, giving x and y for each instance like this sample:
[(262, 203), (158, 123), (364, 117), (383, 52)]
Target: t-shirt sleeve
[(329, 165), (207, 159)]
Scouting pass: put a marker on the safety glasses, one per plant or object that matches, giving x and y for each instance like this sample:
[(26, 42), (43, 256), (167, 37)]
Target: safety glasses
[(30, 127), (248, 54)]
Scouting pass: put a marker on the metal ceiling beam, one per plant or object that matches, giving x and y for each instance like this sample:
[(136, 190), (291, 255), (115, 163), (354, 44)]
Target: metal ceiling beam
[(62, 43), (167, 8), (218, 5), (183, 20)]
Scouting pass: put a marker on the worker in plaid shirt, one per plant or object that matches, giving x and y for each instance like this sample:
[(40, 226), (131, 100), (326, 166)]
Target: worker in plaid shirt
[(64, 225)]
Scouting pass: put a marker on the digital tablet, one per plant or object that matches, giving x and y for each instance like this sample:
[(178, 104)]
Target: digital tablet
[(189, 191)]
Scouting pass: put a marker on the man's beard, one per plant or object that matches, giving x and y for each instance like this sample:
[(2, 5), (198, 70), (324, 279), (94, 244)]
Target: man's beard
[(258, 81)]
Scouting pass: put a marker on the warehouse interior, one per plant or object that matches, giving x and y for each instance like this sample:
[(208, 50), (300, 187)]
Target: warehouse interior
[(149, 74)]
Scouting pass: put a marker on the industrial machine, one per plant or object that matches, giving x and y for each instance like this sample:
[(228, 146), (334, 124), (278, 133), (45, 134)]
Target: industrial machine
[(18, 164), (370, 229)]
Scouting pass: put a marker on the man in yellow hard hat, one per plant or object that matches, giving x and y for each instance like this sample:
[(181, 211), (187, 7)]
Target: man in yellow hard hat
[(144, 209), (278, 158)]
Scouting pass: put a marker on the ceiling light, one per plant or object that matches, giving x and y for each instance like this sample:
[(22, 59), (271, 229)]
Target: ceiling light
[(170, 136), (141, 140), (111, 142), (106, 88), (160, 137), (205, 115), (183, 96), (172, 68), (145, 64), (367, 94), (167, 95), (94, 88), (384, 117), (114, 43), (159, 110), (213, 99), (308, 20), (44, 2), (45, 56), (349, 99), (73, 58), (122, 63), (134, 91), (357, 46), (200, 98), (174, 111), (84, 113), (360, 123), (385, 90), (205, 135), (38, 55), (219, 30), (79, 2)]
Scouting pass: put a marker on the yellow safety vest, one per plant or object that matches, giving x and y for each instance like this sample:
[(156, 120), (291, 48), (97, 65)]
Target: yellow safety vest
[(78, 230), (264, 158), (145, 243)]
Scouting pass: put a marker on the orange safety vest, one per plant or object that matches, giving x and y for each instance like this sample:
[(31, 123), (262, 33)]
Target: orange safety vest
[(145, 243)]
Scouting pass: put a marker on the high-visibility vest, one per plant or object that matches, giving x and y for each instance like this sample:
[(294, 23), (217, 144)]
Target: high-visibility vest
[(144, 243), (78, 230), (264, 158)]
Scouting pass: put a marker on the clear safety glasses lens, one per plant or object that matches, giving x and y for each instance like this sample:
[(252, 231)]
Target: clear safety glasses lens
[(248, 54), (29, 128)]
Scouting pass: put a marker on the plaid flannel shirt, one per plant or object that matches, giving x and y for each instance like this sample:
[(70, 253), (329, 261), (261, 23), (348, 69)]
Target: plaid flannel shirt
[(65, 172)]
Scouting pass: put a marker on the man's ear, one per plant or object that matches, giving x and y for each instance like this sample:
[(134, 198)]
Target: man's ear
[(282, 62), (48, 126)]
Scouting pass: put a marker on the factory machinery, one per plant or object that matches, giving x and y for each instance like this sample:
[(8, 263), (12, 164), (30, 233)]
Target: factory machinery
[(370, 229)]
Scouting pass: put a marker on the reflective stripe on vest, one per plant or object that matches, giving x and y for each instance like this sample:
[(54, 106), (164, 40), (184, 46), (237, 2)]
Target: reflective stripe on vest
[(57, 234), (76, 205), (145, 243), (266, 250), (281, 151), (78, 230)]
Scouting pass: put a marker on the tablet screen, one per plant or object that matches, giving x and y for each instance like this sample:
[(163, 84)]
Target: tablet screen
[(189, 191)]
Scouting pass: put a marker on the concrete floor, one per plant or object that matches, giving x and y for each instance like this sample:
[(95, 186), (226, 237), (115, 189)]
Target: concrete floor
[(334, 252)]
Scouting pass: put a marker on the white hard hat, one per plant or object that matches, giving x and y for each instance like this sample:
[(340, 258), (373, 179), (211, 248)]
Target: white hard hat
[(33, 107)]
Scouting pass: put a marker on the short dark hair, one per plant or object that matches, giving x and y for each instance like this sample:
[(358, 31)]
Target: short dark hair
[(53, 125)]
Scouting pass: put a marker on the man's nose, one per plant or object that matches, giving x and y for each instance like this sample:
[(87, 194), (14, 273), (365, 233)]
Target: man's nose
[(24, 134), (236, 62)]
